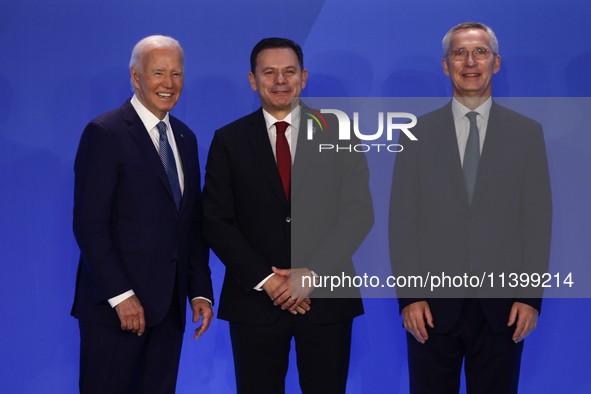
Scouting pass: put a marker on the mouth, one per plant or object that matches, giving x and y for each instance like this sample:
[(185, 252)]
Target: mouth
[(164, 95), (471, 75)]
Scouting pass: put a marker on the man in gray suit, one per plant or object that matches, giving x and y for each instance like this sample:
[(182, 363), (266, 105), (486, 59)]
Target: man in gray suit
[(472, 195)]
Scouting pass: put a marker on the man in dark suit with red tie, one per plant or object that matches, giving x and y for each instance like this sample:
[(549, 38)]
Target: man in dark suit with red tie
[(254, 203), (138, 223), (470, 197)]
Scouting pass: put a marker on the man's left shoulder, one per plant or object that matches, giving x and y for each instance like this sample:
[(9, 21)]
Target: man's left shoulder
[(183, 130), (178, 126), (510, 116)]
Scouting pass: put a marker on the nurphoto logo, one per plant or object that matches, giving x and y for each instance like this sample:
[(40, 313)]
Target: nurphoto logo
[(345, 130)]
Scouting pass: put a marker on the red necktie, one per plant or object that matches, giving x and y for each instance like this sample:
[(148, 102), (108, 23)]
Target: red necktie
[(283, 156)]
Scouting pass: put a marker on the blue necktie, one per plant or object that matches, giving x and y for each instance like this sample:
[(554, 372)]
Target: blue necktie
[(169, 164), (471, 156)]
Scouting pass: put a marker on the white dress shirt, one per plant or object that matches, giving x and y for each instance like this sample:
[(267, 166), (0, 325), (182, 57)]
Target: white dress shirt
[(462, 123), (150, 121), (291, 133)]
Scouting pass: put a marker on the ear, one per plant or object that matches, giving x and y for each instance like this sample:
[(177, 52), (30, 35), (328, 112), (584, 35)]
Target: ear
[(304, 78), (497, 65), (135, 78), (253, 82), (445, 67)]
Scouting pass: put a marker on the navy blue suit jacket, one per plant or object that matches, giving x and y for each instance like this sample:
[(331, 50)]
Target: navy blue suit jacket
[(507, 228), (126, 224)]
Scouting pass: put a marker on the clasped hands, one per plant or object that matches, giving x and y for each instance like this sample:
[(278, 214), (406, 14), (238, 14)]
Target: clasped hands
[(286, 290)]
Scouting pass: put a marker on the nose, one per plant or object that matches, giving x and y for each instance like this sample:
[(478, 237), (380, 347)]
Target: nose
[(470, 59), (167, 81), (280, 80)]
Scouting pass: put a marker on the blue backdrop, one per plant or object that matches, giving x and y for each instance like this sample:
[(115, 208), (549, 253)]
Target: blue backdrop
[(64, 62)]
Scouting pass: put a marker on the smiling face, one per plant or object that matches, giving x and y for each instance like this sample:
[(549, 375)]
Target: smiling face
[(277, 78), (158, 80), (471, 77)]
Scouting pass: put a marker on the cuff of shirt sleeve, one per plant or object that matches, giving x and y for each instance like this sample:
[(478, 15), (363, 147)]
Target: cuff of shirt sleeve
[(259, 287), (203, 298), (120, 298)]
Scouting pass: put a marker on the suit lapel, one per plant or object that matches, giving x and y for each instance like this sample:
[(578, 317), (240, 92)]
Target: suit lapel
[(497, 132), (259, 140), (445, 138), (140, 135), (180, 144), (303, 154)]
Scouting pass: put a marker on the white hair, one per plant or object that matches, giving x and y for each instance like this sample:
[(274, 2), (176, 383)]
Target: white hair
[(146, 45), (494, 43)]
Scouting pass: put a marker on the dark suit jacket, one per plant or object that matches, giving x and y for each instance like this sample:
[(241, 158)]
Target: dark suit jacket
[(506, 229), (248, 220), (126, 224)]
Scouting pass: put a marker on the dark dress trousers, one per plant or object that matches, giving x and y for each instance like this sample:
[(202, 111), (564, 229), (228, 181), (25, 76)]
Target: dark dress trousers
[(252, 226), (131, 237), (507, 228)]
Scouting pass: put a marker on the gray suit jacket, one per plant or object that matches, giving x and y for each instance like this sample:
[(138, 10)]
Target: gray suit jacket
[(507, 228)]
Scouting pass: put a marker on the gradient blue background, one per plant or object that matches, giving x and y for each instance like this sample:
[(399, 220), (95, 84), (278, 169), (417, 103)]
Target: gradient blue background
[(64, 62)]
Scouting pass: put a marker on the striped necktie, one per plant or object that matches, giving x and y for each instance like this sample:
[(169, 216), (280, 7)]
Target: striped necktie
[(169, 164)]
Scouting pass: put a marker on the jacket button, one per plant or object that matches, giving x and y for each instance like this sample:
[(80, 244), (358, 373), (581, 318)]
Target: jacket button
[(288, 219)]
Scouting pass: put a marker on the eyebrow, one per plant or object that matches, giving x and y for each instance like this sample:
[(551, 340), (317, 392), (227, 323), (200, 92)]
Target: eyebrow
[(161, 69), (478, 47), (274, 68)]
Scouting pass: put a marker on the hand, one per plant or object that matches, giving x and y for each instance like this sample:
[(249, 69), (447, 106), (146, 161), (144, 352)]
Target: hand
[(202, 308), (275, 283), (297, 292), (280, 286), (527, 320), (131, 315), (304, 306), (278, 289), (414, 316)]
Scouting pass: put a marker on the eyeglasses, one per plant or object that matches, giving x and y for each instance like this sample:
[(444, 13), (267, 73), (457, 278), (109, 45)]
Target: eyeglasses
[(477, 54)]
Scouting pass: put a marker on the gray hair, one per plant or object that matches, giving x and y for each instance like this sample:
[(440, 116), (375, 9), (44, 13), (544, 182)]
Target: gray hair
[(494, 43), (146, 45)]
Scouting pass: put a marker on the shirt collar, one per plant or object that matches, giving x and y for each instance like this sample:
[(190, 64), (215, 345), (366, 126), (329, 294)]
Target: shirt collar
[(460, 110), (293, 118), (148, 119)]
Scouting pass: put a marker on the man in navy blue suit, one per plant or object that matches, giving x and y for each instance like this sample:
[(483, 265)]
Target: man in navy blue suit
[(471, 196), (137, 221)]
